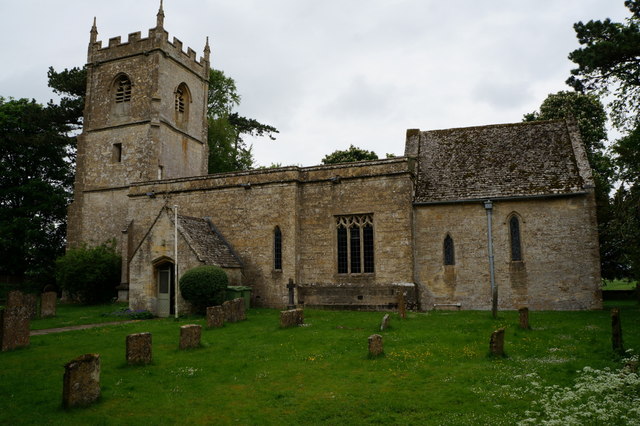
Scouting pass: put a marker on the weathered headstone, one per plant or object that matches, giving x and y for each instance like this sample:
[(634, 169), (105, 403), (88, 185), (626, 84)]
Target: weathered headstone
[(241, 314), (496, 344), (139, 348), (14, 322), (215, 316), (81, 383), (190, 336), (385, 322), (616, 331), (291, 318), (375, 345), (234, 310), (48, 304), (30, 301), (524, 318), (402, 304)]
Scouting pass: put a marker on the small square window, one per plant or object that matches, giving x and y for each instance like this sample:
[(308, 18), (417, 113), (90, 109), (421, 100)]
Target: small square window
[(116, 153)]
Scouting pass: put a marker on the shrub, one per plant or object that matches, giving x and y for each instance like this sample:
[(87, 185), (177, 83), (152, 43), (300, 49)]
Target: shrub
[(89, 275), (204, 286)]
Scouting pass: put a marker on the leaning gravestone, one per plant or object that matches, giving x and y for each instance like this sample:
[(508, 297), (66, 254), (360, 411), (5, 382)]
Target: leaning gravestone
[(81, 385), (239, 309), (139, 348), (524, 318), (14, 322), (190, 336), (385, 322), (215, 316), (48, 304), (375, 345), (496, 344)]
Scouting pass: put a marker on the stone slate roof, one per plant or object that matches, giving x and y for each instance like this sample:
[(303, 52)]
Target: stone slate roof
[(510, 160), (207, 243)]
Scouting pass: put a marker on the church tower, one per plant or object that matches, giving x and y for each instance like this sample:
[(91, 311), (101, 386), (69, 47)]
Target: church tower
[(144, 119)]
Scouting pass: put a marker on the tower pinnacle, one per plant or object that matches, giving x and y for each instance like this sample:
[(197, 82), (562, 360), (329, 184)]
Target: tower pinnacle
[(94, 31), (160, 17)]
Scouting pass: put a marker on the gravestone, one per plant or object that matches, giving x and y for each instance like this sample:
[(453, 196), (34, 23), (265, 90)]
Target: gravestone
[(234, 310), (402, 304), (616, 331), (290, 287), (31, 302), (496, 344), (375, 345), (215, 316), (139, 348), (81, 383), (190, 336), (48, 304), (291, 318), (385, 322), (524, 318), (14, 322)]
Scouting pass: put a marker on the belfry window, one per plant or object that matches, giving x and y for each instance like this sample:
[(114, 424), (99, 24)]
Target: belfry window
[(449, 252), (123, 89), (355, 244), (514, 234), (277, 249), (182, 99)]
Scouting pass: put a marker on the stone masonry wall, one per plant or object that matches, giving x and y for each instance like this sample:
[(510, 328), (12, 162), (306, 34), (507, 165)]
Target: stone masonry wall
[(246, 207), (560, 267)]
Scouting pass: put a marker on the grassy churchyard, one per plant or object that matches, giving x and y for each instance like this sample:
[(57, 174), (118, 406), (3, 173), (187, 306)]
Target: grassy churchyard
[(436, 370)]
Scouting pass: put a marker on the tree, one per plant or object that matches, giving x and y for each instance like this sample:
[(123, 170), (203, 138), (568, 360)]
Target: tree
[(35, 182), (227, 149), (590, 116), (609, 64), (71, 85), (349, 155), (89, 275)]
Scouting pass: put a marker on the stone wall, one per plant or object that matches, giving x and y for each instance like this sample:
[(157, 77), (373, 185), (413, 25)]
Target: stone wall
[(560, 267), (246, 207)]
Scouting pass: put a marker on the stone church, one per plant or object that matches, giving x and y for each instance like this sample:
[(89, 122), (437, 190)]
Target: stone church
[(463, 211)]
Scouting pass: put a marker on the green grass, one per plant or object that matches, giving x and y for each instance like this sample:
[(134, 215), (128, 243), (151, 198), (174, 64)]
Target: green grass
[(68, 314), (625, 284), (435, 371)]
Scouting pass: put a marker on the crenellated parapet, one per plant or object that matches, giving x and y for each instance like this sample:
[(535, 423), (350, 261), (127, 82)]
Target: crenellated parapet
[(156, 41)]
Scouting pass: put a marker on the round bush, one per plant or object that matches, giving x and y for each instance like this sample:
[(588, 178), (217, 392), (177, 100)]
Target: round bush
[(204, 286)]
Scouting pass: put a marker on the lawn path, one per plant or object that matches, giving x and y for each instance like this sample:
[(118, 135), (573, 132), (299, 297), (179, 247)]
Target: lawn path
[(76, 327)]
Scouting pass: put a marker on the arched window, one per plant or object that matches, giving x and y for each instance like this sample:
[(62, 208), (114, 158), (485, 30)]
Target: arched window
[(514, 234), (449, 252), (121, 92), (123, 89), (277, 249), (181, 103)]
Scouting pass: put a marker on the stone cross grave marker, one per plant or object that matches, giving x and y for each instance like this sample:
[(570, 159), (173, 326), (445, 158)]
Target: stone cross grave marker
[(291, 286), (81, 383)]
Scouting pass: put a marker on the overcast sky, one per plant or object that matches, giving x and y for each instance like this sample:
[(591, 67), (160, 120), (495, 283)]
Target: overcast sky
[(330, 73)]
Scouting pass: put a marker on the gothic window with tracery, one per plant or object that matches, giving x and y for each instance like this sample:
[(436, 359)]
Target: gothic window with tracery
[(355, 244)]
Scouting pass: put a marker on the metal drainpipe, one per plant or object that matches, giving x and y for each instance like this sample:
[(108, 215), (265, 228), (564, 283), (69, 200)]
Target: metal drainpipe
[(488, 206)]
